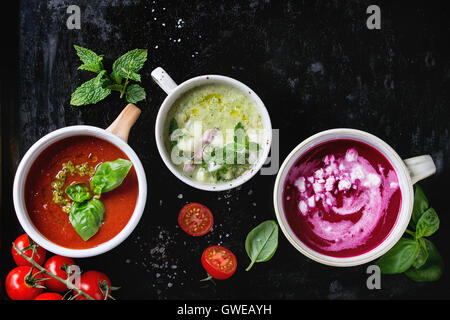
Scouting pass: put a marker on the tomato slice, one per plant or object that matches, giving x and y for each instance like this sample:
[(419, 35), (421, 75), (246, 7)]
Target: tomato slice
[(195, 219), (219, 262)]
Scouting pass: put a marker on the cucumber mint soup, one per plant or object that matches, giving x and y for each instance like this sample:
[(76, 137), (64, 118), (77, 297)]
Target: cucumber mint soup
[(213, 133), (342, 198)]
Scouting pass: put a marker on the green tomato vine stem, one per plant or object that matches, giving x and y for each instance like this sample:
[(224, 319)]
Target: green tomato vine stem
[(48, 273)]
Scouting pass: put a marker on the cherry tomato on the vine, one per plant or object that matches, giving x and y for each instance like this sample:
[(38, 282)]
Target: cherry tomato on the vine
[(96, 284), (219, 262), (21, 284), (49, 296), (23, 242), (57, 265), (195, 219)]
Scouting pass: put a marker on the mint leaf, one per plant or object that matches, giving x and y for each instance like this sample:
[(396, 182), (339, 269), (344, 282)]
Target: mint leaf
[(115, 87), (127, 65), (132, 75), (91, 60), (135, 93), (91, 91)]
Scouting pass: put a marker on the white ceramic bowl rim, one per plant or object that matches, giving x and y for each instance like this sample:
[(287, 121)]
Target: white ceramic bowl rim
[(404, 182), (22, 173), (177, 93)]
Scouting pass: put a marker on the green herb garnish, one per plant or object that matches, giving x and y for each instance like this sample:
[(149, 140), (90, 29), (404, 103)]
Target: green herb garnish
[(87, 217), (109, 175), (78, 192), (416, 256), (87, 211), (124, 69), (173, 125), (262, 242)]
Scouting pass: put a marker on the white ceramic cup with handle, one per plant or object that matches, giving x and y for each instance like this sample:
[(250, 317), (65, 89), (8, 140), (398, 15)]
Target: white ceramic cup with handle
[(174, 92), (116, 134), (408, 172)]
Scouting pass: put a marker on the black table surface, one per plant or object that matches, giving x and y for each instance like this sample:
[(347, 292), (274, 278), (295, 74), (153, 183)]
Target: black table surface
[(315, 65)]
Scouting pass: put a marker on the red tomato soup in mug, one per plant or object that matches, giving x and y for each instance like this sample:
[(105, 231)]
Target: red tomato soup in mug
[(49, 217), (342, 198)]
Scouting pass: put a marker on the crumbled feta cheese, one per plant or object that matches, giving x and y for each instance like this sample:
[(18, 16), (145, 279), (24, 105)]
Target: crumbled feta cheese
[(317, 187), (300, 183), (319, 173), (329, 184), (311, 202), (351, 155), (303, 207), (373, 180), (344, 185)]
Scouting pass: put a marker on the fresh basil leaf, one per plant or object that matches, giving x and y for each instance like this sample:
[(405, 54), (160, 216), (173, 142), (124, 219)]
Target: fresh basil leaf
[(420, 204), (91, 60), (109, 175), (428, 224), (432, 269), (422, 255), (129, 63), (135, 93), (87, 217), (78, 192), (262, 242), (90, 92), (400, 258)]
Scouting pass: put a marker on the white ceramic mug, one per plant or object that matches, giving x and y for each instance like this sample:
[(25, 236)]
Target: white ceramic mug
[(117, 134), (174, 92), (408, 172)]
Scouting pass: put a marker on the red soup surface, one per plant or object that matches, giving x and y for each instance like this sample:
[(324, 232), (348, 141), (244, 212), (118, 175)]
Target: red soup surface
[(49, 217), (342, 198)]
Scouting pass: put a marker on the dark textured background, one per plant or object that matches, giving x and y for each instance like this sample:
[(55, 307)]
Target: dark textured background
[(314, 64)]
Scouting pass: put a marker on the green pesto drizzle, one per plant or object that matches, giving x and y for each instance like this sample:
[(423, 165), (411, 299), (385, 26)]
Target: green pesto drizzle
[(57, 185)]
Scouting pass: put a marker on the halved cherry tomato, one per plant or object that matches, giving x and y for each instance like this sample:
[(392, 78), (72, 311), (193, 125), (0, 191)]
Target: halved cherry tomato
[(23, 242), (195, 219), (219, 262), (57, 265), (49, 296), (21, 284), (96, 284)]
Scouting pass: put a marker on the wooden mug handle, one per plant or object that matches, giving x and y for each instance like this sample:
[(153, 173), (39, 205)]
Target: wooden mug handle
[(123, 123)]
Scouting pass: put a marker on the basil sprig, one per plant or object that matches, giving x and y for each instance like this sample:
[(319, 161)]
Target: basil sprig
[(109, 175), (78, 192), (416, 256), (87, 217), (87, 212), (262, 242)]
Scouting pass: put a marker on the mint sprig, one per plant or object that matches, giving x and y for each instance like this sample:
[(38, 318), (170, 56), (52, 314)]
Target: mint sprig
[(124, 70)]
